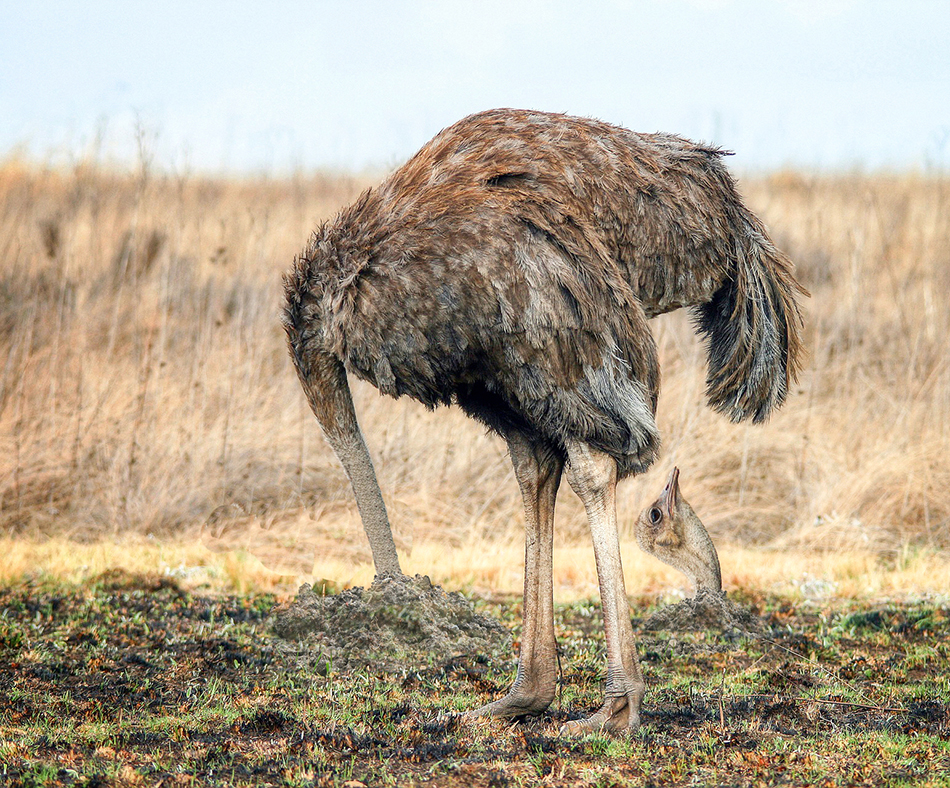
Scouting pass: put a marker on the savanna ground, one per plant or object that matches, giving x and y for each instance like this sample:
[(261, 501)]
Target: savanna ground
[(162, 484), (133, 680)]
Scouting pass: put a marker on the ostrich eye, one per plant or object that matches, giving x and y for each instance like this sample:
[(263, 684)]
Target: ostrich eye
[(655, 515)]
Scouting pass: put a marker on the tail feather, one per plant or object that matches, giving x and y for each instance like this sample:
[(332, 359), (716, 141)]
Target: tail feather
[(753, 326)]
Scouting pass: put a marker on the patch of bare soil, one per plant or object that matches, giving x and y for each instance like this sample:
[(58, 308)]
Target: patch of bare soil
[(395, 624), (708, 611), (130, 681)]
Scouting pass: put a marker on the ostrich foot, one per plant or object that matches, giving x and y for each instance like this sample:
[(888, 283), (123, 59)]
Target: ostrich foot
[(516, 703), (617, 715)]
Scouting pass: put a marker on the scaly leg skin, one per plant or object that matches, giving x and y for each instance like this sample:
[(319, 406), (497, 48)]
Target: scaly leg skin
[(593, 476), (538, 469)]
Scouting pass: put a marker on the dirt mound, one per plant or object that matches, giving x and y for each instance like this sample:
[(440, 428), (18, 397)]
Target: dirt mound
[(396, 623), (708, 610)]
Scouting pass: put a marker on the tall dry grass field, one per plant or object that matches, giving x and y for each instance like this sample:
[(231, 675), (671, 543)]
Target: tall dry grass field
[(145, 389)]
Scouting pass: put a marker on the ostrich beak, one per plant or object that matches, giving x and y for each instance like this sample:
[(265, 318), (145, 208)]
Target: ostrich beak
[(671, 492)]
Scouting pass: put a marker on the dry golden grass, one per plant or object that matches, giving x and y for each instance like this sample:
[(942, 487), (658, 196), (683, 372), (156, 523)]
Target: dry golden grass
[(493, 567), (146, 397)]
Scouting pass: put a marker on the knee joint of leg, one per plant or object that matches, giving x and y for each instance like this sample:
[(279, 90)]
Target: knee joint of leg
[(590, 470)]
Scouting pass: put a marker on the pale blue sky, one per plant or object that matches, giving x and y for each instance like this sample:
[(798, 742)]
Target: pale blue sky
[(269, 87)]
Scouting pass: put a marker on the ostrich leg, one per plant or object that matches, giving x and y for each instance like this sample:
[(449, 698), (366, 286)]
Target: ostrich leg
[(538, 470), (593, 476)]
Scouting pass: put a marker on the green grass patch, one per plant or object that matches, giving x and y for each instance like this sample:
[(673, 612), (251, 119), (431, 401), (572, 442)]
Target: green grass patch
[(132, 681)]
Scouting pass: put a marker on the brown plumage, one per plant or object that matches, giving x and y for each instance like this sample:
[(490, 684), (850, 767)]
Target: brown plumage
[(511, 267)]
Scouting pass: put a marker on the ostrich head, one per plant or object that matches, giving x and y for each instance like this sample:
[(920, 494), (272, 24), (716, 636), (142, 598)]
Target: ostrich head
[(670, 530)]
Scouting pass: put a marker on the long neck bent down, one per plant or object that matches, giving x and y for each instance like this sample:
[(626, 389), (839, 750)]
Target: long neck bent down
[(324, 380)]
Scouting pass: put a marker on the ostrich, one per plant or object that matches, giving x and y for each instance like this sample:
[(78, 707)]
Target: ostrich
[(670, 530), (510, 267)]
